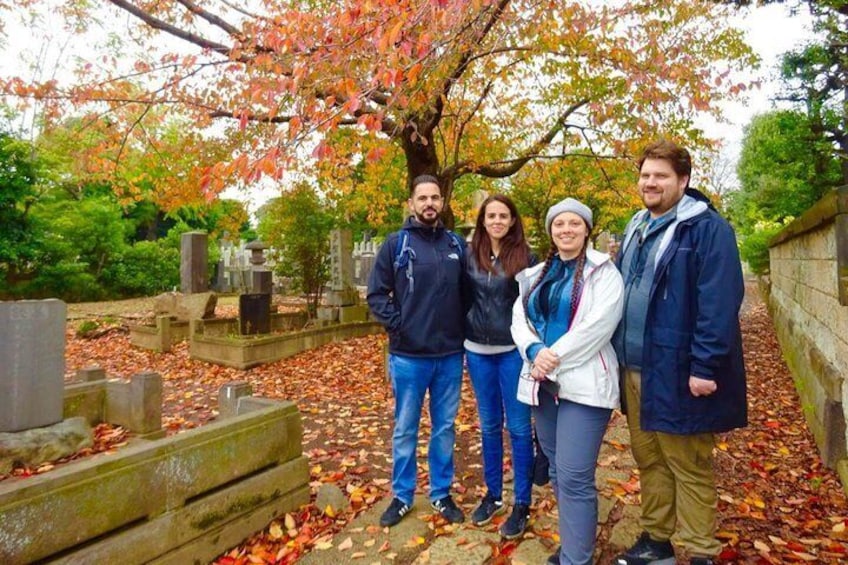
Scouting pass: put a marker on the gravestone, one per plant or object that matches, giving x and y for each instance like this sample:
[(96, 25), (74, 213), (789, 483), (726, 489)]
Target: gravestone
[(254, 314), (32, 363), (342, 292), (364, 257), (222, 282), (193, 262)]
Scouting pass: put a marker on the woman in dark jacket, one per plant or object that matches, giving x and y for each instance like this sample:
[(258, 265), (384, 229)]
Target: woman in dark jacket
[(498, 251)]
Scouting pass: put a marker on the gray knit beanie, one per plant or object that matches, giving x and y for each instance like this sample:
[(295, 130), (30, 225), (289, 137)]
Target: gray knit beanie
[(568, 205)]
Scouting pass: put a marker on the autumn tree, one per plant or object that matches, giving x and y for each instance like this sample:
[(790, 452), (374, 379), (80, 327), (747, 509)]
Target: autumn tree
[(466, 87)]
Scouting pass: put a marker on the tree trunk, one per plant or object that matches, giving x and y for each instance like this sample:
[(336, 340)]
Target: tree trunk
[(421, 159)]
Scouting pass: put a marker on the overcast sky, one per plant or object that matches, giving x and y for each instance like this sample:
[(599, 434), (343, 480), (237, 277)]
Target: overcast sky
[(771, 31)]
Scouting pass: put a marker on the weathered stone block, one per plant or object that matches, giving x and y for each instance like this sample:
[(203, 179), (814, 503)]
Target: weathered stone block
[(349, 314), (90, 374), (229, 395), (136, 405), (86, 400), (262, 281), (165, 304), (247, 353), (196, 306), (39, 445), (194, 269), (32, 363), (347, 297), (159, 496)]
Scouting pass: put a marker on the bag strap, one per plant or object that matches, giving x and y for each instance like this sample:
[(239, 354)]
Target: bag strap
[(404, 257)]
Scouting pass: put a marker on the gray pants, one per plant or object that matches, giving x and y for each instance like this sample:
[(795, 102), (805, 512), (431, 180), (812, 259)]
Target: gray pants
[(571, 435)]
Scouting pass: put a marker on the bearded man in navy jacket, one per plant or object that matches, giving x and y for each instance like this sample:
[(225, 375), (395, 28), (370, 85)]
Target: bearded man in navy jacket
[(415, 291), (680, 345)]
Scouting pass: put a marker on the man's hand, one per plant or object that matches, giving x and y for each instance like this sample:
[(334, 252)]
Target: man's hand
[(701, 387), (546, 362)]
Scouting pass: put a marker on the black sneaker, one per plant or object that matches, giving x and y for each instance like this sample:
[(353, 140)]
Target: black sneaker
[(647, 552), (702, 561), (553, 559), (517, 522), (449, 510), (489, 507), (394, 513)]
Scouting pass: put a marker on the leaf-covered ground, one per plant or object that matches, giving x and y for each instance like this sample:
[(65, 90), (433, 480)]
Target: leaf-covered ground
[(778, 504)]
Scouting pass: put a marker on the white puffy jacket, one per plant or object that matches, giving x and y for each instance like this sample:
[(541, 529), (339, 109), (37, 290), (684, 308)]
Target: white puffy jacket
[(588, 367)]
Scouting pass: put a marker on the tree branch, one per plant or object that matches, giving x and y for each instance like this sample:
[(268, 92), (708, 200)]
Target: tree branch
[(506, 168), (162, 25), (464, 62), (211, 18)]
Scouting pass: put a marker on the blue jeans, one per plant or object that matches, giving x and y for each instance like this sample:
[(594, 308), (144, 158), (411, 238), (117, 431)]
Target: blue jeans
[(412, 377), (571, 436), (495, 382)]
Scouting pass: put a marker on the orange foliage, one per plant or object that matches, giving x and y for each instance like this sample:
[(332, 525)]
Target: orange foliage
[(462, 87)]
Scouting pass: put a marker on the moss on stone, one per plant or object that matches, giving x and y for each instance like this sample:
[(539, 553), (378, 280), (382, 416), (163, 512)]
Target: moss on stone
[(237, 507)]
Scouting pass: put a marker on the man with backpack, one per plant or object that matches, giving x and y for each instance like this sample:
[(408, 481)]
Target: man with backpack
[(415, 291), (680, 344)]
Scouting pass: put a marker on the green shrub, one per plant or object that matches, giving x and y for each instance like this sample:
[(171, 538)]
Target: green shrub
[(69, 281), (754, 248), (86, 328), (143, 269)]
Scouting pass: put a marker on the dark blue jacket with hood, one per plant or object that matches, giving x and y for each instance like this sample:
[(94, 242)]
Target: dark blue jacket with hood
[(422, 306), (692, 325)]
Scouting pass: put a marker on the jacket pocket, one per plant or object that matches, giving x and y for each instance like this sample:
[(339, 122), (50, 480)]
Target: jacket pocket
[(528, 387)]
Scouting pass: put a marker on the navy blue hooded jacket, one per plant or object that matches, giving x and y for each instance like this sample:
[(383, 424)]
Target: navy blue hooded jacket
[(692, 325), (424, 314)]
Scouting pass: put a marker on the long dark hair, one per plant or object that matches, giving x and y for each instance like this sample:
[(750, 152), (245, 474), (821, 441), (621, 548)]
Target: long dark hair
[(576, 287), (514, 254)]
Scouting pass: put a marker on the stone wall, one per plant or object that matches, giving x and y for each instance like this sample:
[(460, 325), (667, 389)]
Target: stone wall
[(183, 499), (808, 299)]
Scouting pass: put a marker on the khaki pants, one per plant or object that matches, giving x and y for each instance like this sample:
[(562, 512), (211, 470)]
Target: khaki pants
[(678, 483)]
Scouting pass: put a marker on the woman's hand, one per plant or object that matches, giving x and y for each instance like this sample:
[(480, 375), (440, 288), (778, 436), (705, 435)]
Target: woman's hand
[(546, 362)]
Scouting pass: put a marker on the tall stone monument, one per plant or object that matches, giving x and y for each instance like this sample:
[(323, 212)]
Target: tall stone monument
[(194, 266), (32, 363), (342, 291), (342, 300), (255, 307)]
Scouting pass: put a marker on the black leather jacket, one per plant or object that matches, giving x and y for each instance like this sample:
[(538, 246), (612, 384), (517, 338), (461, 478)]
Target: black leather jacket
[(492, 297)]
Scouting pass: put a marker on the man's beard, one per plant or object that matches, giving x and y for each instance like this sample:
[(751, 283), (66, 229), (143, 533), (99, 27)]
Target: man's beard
[(427, 222)]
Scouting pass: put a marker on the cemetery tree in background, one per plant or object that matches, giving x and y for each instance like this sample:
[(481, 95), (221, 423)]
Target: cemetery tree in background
[(297, 225), (20, 176), (816, 76), (608, 191), (817, 80), (784, 167), (462, 87)]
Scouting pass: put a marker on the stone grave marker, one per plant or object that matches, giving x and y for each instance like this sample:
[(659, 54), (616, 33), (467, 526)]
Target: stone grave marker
[(254, 314), (342, 291), (32, 363), (193, 262)]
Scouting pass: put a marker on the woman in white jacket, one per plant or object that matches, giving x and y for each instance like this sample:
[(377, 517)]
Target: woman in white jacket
[(562, 322)]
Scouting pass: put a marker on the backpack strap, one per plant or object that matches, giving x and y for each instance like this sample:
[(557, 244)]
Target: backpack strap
[(404, 257), (456, 241)]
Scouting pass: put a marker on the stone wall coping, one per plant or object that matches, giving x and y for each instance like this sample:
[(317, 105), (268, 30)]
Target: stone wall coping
[(140, 451), (263, 339), (822, 212)]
